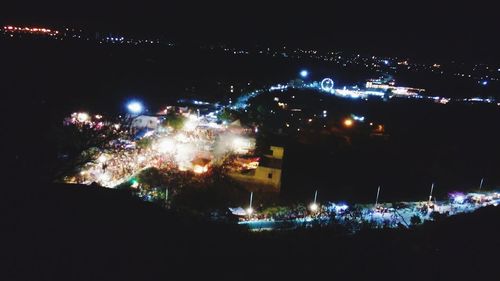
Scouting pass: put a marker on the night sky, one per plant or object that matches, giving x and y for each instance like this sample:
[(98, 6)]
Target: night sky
[(446, 29)]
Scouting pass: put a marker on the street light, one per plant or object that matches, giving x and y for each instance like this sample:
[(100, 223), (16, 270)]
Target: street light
[(314, 206), (376, 199), (430, 195), (249, 210)]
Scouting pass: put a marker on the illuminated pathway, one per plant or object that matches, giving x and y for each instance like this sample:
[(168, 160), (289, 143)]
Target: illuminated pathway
[(384, 216), (326, 86)]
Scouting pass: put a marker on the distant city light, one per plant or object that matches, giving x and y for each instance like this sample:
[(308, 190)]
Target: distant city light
[(135, 107), (358, 118), (484, 83), (304, 73), (32, 30)]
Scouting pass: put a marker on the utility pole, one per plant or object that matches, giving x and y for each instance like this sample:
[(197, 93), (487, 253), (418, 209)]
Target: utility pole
[(249, 209), (251, 198), (430, 195)]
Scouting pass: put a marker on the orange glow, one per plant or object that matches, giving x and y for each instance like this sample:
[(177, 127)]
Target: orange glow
[(200, 169), (348, 122)]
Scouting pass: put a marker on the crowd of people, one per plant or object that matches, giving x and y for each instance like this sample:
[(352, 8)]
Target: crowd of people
[(195, 147)]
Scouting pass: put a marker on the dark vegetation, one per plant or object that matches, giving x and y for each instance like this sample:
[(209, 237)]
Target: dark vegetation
[(57, 232)]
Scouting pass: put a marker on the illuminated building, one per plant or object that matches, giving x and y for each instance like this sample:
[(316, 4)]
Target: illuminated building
[(267, 176)]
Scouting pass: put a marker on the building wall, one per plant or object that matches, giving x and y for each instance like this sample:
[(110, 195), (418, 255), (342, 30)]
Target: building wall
[(269, 176), (263, 176), (269, 179), (278, 152)]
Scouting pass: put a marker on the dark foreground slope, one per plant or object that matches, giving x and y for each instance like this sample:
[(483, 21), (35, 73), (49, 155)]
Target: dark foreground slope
[(58, 232)]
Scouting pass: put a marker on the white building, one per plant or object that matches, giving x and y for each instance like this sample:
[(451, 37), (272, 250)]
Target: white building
[(144, 122)]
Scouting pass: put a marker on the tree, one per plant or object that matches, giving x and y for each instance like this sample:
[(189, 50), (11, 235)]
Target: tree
[(415, 220), (174, 121), (151, 178), (437, 216), (387, 94), (144, 143), (228, 115)]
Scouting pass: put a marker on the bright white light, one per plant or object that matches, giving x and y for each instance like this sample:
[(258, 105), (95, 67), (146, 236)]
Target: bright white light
[(241, 145), (102, 158), (459, 199), (341, 207), (304, 73), (104, 178), (135, 107), (166, 146), (249, 210), (82, 117), (181, 138), (314, 207), (185, 154), (200, 169), (191, 123)]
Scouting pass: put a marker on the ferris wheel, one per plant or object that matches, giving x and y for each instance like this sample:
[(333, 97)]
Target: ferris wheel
[(327, 85)]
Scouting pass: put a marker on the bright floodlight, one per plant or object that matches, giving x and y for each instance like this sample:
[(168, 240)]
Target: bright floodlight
[(249, 210), (135, 107), (304, 73), (314, 207)]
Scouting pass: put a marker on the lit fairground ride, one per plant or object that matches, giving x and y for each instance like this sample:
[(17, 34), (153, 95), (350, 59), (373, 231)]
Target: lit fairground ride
[(327, 85)]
